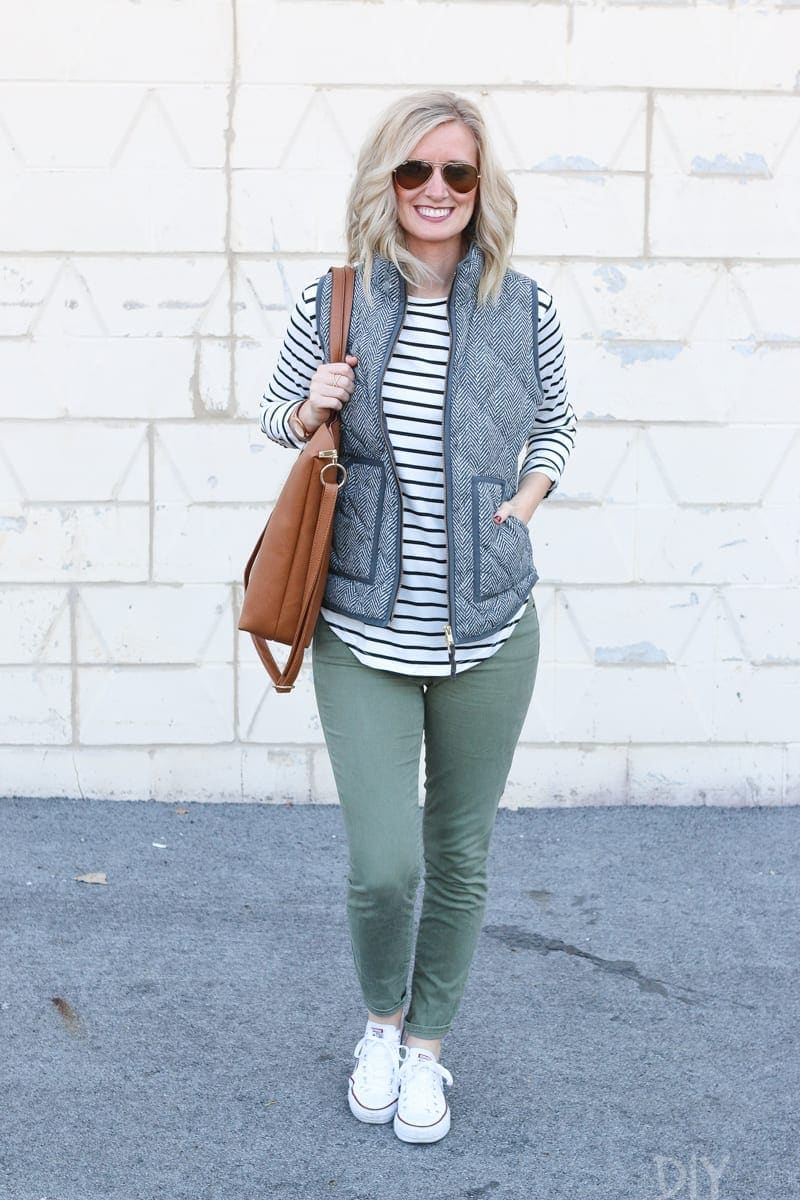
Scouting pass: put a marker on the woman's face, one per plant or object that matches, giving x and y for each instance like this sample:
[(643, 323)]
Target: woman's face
[(432, 213)]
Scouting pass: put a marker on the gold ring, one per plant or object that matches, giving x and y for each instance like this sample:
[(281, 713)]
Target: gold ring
[(337, 466)]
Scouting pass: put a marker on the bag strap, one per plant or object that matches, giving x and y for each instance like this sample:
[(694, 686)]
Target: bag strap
[(341, 310)]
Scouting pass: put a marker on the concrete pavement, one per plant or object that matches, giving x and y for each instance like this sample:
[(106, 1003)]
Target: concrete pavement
[(185, 1030)]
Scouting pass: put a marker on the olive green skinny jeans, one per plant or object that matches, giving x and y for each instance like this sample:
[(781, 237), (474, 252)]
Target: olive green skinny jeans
[(374, 723)]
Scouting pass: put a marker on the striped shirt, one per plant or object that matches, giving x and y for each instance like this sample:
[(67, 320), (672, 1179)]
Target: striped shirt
[(413, 642)]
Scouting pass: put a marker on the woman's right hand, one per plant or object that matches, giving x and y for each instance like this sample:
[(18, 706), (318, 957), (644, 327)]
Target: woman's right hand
[(331, 387)]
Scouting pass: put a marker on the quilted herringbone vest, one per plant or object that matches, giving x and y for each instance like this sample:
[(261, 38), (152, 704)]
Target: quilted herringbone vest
[(491, 398)]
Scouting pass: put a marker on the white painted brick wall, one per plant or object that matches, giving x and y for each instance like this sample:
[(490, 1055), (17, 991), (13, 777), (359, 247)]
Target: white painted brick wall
[(172, 175)]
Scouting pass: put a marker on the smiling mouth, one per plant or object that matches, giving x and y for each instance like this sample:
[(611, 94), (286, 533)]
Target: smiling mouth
[(432, 214)]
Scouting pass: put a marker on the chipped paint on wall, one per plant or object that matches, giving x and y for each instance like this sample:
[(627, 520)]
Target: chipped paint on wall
[(636, 352), (612, 277), (636, 652), (748, 166)]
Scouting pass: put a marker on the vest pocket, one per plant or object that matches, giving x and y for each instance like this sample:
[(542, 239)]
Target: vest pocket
[(503, 553), (357, 521)]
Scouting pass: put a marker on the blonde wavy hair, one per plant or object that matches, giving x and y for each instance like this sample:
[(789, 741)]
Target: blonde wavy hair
[(371, 222)]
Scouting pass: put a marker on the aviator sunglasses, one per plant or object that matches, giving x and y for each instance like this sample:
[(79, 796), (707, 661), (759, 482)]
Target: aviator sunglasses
[(461, 177)]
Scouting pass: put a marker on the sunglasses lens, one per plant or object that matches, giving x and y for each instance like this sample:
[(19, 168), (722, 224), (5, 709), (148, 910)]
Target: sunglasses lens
[(413, 174), (461, 177)]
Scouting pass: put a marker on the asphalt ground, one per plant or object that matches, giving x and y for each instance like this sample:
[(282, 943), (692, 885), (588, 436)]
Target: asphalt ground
[(185, 1030)]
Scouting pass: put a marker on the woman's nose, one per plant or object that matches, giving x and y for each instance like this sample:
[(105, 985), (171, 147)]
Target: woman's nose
[(436, 184)]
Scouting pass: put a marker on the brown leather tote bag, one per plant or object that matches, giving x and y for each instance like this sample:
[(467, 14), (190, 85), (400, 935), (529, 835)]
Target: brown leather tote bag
[(284, 580)]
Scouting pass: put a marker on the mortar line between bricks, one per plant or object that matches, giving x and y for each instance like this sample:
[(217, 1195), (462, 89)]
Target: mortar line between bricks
[(627, 785), (151, 506), (648, 173), (300, 256), (312, 792), (230, 256), (672, 5), (116, 422), (235, 621), (305, 747), (249, 505), (578, 586), (73, 638), (690, 91), (179, 584), (654, 422), (759, 664), (527, 86)]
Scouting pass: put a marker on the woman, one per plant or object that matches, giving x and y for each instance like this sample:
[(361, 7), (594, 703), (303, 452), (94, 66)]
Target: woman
[(455, 424)]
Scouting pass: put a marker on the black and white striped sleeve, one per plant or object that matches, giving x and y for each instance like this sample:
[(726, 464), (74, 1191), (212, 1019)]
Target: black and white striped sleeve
[(553, 436), (300, 355)]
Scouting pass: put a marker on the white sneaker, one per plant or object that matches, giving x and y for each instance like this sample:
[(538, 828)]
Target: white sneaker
[(375, 1079), (423, 1114)]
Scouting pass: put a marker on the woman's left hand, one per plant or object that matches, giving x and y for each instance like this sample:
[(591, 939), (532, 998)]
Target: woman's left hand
[(523, 505), (513, 508)]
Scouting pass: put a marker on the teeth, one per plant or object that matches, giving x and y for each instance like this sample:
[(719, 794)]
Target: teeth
[(434, 212)]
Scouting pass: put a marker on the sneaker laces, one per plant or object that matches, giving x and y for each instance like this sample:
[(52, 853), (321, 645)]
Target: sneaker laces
[(427, 1075), (372, 1053)]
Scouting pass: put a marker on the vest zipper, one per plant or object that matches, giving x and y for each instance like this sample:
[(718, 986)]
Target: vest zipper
[(448, 629)]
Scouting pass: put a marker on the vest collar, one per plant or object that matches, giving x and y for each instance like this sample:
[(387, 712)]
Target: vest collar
[(385, 275)]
